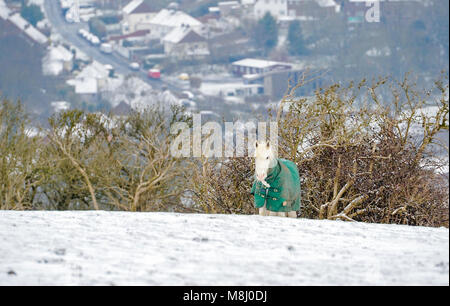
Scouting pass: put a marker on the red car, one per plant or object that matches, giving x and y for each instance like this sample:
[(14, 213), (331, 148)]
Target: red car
[(154, 74)]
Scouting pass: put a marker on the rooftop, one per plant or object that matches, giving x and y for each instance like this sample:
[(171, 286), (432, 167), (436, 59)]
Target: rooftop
[(139, 33), (258, 63), (4, 10), (183, 35), (31, 31), (171, 18), (138, 7)]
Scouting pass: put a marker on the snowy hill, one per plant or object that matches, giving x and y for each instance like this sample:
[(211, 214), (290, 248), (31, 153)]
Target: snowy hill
[(102, 248)]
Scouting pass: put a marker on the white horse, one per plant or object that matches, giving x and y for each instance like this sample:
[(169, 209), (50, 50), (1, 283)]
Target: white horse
[(265, 159)]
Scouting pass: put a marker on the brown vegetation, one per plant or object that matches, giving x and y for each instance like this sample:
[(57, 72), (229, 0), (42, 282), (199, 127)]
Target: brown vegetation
[(360, 158)]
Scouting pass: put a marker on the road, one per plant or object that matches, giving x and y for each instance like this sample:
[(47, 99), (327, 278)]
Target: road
[(69, 31)]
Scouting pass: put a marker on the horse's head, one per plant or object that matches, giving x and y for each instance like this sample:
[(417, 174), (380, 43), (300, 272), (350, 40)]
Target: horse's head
[(264, 159)]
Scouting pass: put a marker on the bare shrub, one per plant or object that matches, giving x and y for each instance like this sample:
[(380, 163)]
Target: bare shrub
[(222, 185), (362, 156), (18, 149), (106, 162)]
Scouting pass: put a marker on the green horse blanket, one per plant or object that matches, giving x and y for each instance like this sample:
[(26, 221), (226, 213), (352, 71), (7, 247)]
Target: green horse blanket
[(284, 181)]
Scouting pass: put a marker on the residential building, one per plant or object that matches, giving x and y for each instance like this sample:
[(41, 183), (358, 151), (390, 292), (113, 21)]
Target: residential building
[(137, 15), (228, 7), (184, 43), (167, 20), (29, 30), (277, 8), (57, 60), (250, 66)]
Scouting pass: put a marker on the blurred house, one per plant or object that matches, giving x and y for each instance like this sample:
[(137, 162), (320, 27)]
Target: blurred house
[(312, 9), (57, 60), (277, 8), (299, 9), (137, 15), (90, 81), (184, 43), (140, 35), (276, 83), (167, 20), (251, 66), (227, 8), (24, 26)]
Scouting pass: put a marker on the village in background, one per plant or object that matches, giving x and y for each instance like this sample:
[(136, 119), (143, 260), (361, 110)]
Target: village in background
[(224, 59)]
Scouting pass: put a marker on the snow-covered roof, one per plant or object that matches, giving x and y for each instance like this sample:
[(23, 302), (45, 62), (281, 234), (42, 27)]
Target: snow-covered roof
[(60, 105), (130, 7), (63, 53), (94, 70), (171, 18), (227, 3), (86, 81), (258, 63), (84, 86), (18, 21), (80, 54), (53, 61), (213, 9), (326, 3), (27, 28), (50, 67), (137, 7), (182, 34), (4, 10), (37, 36)]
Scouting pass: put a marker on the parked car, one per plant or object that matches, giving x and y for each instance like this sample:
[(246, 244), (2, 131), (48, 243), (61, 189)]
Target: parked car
[(83, 33), (135, 66), (106, 48), (95, 40), (154, 74), (188, 94), (184, 77)]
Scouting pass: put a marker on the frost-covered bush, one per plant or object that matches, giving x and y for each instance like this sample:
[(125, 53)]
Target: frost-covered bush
[(360, 157), (366, 152)]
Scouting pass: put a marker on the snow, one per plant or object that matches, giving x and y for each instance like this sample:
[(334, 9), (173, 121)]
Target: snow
[(90, 78), (59, 106), (53, 61), (31, 31), (170, 18), (94, 70), (135, 92), (326, 3), (257, 63), (177, 35), (4, 10), (85, 85), (120, 248), (21, 23), (130, 7)]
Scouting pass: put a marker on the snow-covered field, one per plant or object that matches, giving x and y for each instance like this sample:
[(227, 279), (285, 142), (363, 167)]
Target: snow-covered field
[(106, 248)]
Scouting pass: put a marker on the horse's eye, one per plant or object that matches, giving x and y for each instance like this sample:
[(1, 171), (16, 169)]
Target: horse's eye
[(267, 157)]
